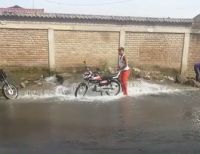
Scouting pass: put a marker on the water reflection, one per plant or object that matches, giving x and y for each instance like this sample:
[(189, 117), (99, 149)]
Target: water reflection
[(151, 123)]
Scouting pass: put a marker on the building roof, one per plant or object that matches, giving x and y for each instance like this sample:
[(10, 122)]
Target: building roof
[(100, 18), (15, 7), (19, 10)]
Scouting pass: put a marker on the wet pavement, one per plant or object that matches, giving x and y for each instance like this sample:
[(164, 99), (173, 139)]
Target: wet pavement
[(147, 123)]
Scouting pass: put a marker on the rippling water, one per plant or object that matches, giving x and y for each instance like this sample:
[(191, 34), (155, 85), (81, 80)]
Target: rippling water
[(136, 88), (155, 118)]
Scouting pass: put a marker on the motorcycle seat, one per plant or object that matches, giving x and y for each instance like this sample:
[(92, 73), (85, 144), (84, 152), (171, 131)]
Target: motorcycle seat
[(108, 77)]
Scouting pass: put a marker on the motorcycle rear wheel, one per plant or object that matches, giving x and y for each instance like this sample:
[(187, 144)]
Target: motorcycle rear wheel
[(81, 90)]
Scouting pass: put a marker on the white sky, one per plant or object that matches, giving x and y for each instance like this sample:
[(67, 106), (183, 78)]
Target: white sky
[(144, 8)]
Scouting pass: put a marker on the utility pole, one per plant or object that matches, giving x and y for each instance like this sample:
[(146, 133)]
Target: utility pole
[(33, 4)]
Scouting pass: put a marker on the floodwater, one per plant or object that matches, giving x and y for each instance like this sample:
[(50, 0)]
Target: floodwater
[(155, 118)]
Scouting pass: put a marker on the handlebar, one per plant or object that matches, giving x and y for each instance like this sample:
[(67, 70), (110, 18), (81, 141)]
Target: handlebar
[(97, 71)]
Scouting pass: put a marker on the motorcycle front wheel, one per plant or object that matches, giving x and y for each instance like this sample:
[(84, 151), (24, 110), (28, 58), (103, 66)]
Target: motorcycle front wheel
[(81, 90), (113, 88), (10, 91)]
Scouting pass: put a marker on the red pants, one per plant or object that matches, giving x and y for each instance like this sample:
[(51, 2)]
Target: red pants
[(124, 81)]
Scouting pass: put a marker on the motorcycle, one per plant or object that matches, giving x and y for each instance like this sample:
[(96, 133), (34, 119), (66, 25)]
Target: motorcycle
[(102, 84), (8, 90)]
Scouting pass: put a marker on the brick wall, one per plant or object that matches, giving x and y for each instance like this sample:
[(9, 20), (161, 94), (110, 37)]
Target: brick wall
[(155, 49), (29, 48), (73, 47), (23, 48), (194, 53)]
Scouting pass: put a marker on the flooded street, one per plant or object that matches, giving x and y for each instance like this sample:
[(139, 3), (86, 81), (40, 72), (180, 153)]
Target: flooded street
[(155, 118)]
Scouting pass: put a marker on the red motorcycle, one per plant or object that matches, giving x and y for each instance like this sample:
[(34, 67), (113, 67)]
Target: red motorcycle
[(109, 85)]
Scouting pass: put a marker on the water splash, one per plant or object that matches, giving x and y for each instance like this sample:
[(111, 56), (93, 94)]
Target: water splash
[(141, 87), (66, 91)]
